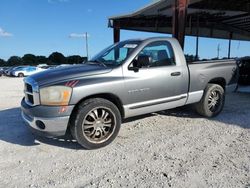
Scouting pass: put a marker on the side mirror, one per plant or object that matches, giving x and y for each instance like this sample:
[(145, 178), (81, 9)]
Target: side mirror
[(139, 62), (135, 69)]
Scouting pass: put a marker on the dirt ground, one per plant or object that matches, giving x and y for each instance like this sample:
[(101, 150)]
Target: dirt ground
[(174, 148)]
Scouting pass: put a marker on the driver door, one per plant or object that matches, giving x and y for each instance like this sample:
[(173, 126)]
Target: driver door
[(157, 84)]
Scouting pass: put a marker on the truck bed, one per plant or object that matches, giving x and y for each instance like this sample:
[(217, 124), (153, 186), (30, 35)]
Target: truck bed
[(203, 72)]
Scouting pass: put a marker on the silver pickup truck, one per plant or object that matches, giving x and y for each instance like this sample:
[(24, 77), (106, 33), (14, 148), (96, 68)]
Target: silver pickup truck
[(127, 79)]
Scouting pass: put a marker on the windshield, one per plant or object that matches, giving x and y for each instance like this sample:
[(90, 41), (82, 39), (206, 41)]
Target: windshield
[(116, 54)]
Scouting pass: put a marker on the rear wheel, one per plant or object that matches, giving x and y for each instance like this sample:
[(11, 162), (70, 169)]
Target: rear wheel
[(96, 123), (20, 75), (212, 101)]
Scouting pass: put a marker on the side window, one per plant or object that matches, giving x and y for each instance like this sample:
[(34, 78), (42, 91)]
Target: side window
[(109, 56), (30, 69), (160, 54)]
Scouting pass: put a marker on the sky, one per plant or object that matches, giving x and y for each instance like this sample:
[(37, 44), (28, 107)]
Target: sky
[(41, 27)]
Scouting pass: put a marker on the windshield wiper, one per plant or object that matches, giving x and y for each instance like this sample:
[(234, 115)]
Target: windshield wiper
[(97, 62)]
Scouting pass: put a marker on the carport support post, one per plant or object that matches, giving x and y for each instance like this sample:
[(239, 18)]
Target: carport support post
[(116, 35), (179, 20), (197, 40), (229, 45), (197, 48)]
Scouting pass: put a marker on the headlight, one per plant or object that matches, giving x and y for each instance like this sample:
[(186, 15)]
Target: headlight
[(55, 95)]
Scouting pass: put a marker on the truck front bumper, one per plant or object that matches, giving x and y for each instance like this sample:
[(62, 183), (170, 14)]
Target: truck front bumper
[(46, 121)]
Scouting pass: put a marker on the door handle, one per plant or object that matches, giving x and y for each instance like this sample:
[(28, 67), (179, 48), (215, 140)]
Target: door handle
[(175, 73)]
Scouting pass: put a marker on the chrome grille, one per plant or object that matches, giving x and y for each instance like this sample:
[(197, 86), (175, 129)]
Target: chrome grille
[(31, 92), (30, 99), (29, 88)]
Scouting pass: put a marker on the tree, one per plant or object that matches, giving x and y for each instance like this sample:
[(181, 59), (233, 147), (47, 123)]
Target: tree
[(57, 58), (2, 63), (41, 60), (75, 59), (29, 59), (14, 61), (191, 58)]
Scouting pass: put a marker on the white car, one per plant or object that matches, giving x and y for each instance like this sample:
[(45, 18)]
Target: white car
[(26, 71)]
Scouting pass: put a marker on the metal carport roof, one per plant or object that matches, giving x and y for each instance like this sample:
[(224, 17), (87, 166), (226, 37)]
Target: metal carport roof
[(205, 18)]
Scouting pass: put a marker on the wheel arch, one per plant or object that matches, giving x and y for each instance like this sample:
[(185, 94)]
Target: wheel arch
[(108, 96), (220, 81)]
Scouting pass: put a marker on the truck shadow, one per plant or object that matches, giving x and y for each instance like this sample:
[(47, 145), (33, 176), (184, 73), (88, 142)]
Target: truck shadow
[(14, 131), (236, 111)]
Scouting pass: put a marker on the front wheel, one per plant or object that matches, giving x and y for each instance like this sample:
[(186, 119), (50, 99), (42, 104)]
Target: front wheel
[(96, 123), (212, 101)]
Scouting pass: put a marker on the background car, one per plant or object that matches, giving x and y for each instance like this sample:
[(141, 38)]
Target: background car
[(244, 71), (9, 70), (48, 66), (1, 71), (4, 69), (26, 71), (63, 65)]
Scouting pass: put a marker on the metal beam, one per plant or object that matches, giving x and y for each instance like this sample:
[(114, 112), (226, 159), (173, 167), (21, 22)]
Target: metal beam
[(197, 39), (232, 5), (229, 45), (179, 20), (230, 18), (116, 35)]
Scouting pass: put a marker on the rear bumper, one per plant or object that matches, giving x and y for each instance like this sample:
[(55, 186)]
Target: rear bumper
[(46, 121)]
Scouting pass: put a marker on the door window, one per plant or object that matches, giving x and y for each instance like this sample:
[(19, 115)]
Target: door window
[(159, 53)]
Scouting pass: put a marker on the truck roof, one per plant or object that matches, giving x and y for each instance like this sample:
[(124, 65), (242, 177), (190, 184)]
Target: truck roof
[(149, 39)]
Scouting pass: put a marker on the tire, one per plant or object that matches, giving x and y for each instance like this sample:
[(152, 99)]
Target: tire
[(20, 75), (212, 101), (96, 123)]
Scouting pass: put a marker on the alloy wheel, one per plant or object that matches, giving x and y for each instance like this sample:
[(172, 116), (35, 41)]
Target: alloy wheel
[(98, 125)]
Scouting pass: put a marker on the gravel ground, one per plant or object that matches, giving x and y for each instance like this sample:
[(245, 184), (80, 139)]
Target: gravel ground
[(174, 148)]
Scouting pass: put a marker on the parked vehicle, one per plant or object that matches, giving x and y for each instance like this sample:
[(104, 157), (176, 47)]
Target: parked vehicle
[(63, 65), (26, 71), (48, 66), (127, 79), (7, 72), (1, 72), (3, 69), (244, 71)]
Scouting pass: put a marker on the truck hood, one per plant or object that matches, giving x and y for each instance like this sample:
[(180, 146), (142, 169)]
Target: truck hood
[(67, 73)]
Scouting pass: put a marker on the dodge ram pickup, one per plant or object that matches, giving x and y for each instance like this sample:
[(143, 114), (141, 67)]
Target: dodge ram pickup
[(127, 79)]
